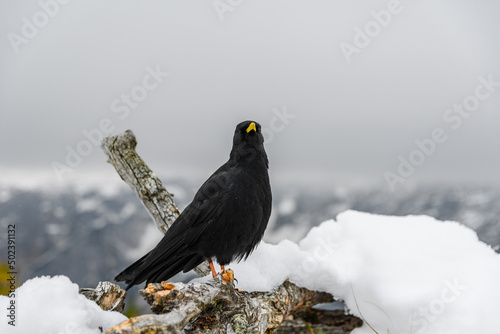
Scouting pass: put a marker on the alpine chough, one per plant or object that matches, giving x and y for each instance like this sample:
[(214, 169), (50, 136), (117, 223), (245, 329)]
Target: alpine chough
[(225, 221)]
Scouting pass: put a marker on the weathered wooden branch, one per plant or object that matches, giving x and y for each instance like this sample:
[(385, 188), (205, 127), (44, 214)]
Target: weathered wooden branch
[(159, 203), (216, 307), (109, 296), (190, 308), (320, 321)]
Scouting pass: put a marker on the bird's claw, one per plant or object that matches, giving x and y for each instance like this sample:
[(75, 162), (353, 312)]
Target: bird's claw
[(227, 276)]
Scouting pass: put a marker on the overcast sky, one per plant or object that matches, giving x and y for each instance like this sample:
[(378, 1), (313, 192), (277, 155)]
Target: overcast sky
[(348, 92)]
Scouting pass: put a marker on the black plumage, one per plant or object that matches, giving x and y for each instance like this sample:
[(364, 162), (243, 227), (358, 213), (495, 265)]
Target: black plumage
[(225, 221)]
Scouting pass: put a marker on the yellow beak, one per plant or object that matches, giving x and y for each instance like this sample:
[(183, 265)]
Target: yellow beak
[(251, 127)]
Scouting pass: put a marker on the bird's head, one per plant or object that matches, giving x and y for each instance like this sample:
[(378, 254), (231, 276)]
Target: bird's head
[(248, 132), (248, 141)]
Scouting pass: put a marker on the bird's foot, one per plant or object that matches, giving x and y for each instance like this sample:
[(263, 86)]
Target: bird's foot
[(227, 276)]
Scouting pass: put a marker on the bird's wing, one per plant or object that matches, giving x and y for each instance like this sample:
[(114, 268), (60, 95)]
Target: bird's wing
[(208, 204), (192, 223)]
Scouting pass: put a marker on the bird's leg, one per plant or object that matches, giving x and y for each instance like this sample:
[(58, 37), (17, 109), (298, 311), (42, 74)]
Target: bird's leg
[(212, 268), (226, 275)]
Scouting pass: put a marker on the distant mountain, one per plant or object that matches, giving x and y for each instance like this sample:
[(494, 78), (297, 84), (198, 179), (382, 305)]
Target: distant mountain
[(475, 207), (93, 233)]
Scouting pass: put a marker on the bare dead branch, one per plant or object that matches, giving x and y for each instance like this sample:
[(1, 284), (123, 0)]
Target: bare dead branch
[(158, 202)]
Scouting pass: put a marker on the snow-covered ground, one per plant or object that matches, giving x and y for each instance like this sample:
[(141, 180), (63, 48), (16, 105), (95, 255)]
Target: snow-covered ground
[(410, 274), (52, 305)]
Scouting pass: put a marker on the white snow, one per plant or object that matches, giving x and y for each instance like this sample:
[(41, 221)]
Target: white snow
[(53, 305), (411, 274)]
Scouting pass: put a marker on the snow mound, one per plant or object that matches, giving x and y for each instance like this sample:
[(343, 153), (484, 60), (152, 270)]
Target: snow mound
[(411, 274), (53, 305)]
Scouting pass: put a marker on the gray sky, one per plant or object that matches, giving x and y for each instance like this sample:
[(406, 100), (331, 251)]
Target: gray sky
[(360, 82)]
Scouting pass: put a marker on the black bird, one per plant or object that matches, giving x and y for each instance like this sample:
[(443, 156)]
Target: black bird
[(225, 221)]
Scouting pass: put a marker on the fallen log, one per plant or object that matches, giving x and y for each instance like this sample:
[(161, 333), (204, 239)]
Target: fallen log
[(216, 307)]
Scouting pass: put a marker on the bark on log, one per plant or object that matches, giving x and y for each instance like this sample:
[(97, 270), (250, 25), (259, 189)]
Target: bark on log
[(200, 307), (320, 321), (216, 307), (109, 296)]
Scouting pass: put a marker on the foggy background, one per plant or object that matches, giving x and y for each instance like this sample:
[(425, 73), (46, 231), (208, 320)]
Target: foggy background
[(346, 93), (350, 118)]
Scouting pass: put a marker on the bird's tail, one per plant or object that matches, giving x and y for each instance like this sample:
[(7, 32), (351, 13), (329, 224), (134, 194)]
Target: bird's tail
[(130, 274)]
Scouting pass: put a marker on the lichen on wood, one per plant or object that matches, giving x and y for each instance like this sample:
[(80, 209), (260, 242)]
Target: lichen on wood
[(109, 296), (217, 307)]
